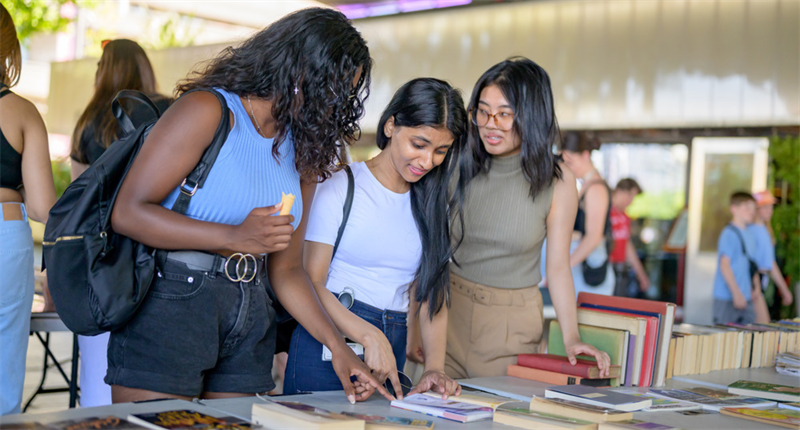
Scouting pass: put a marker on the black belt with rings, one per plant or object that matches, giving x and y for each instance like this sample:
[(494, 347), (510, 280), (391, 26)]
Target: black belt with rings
[(238, 267)]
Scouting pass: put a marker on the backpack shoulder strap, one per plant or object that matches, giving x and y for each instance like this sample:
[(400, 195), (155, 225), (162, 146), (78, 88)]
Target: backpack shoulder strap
[(348, 204), (741, 239), (197, 178), (126, 125)]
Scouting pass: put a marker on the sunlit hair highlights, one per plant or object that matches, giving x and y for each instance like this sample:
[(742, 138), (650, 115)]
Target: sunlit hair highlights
[(434, 103), (123, 66), (318, 52), (10, 51)]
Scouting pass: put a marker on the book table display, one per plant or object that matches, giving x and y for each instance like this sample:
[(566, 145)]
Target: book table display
[(511, 387)]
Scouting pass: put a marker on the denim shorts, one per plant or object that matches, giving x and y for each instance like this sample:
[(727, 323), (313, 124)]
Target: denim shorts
[(196, 332), (305, 370)]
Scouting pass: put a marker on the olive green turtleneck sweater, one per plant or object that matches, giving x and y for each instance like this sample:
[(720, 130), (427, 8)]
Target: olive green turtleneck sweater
[(504, 227)]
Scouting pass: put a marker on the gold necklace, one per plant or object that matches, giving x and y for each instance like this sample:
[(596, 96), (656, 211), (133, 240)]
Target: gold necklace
[(255, 121)]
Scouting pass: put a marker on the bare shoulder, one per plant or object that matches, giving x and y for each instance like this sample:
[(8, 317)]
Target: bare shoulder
[(21, 108), (199, 105), (191, 121), (567, 180)]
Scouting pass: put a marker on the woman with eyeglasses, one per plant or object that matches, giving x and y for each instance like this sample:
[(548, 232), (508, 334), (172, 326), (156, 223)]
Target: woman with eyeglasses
[(517, 194), (393, 253), (207, 328)]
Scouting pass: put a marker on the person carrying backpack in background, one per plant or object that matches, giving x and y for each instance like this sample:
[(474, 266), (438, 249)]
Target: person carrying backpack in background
[(123, 66), (26, 190), (295, 91)]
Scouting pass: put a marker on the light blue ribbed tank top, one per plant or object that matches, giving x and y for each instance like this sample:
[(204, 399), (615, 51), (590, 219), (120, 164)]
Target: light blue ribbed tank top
[(245, 176)]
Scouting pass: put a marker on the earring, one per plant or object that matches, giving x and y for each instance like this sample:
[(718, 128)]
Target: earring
[(296, 90)]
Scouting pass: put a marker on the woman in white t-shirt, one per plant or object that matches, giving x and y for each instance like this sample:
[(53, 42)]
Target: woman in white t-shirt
[(394, 252)]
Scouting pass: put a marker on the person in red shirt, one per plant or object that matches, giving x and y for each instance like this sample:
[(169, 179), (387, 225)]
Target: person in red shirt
[(623, 256)]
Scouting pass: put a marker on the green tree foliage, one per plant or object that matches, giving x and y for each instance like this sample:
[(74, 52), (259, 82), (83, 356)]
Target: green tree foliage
[(36, 16), (785, 155)]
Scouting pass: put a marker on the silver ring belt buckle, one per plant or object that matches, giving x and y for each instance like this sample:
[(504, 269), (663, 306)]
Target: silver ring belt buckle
[(245, 269)]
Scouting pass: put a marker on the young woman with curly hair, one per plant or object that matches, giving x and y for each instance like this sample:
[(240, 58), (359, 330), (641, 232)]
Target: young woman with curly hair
[(295, 92)]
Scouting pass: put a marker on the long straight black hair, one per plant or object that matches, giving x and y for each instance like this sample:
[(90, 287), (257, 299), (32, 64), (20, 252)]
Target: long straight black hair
[(526, 87), (431, 102)]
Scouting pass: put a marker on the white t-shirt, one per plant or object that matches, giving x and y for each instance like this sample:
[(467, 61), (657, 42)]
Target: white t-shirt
[(380, 249)]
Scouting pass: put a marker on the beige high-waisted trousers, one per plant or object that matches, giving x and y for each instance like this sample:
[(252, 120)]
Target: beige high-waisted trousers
[(487, 327)]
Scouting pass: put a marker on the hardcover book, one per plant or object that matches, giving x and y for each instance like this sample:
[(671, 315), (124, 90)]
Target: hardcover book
[(561, 364)]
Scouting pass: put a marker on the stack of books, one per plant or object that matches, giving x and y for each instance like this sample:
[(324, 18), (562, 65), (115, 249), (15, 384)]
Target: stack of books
[(781, 393), (697, 349), (557, 370), (449, 409), (788, 363), (634, 333)]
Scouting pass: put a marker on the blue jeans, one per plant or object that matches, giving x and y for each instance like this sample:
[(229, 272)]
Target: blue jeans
[(305, 370), (16, 298)]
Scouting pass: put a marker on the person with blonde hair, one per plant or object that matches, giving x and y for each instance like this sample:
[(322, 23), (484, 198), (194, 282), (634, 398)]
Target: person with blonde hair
[(26, 190)]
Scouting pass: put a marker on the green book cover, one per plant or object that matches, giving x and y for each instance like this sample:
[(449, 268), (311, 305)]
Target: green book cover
[(604, 339), (763, 387)]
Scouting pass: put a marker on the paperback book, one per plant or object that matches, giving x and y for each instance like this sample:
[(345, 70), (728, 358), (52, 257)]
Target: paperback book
[(294, 415), (659, 404), (186, 420), (377, 422), (710, 399), (782, 393), (581, 411), (778, 417), (447, 409), (95, 423), (519, 415), (602, 397)]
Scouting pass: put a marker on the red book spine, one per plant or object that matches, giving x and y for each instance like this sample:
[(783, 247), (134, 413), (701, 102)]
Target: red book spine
[(554, 363)]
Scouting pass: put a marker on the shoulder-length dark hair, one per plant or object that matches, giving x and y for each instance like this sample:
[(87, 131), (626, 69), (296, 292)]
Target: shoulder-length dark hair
[(526, 86), (431, 102), (305, 64), (123, 66)]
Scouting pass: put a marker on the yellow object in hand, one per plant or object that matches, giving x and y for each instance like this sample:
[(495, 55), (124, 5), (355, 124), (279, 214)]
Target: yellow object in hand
[(288, 201)]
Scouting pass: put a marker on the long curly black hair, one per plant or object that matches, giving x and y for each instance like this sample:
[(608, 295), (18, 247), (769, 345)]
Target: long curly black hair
[(316, 51), (434, 103)]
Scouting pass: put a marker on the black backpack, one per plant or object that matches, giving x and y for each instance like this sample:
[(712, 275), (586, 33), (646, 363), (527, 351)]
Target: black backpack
[(98, 279)]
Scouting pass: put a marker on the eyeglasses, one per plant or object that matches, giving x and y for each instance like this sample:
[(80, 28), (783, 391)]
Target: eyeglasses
[(502, 120), (405, 384)]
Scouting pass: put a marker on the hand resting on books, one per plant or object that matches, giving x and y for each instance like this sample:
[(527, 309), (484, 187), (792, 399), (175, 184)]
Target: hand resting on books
[(438, 382), (574, 348)]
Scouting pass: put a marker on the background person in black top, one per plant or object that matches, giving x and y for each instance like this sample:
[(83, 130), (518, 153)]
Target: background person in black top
[(123, 66), (26, 185)]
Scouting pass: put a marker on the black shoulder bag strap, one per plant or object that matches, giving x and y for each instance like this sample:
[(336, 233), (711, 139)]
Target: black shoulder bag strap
[(123, 119), (753, 265), (197, 178), (348, 204)]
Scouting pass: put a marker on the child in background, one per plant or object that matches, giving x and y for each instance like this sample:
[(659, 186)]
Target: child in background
[(623, 256), (761, 231), (736, 270)]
